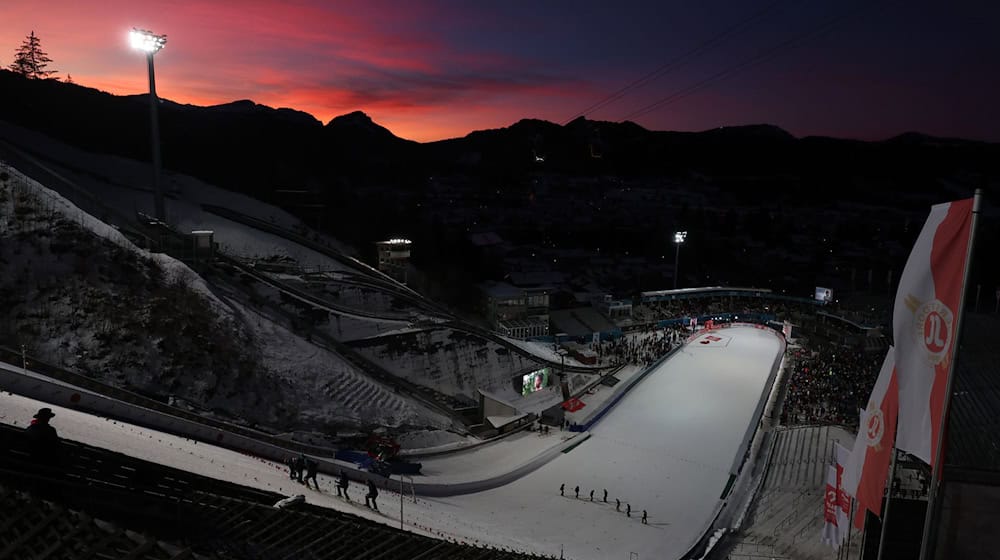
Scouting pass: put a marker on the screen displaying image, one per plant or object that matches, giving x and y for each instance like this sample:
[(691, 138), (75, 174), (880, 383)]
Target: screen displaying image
[(824, 295), (535, 381)]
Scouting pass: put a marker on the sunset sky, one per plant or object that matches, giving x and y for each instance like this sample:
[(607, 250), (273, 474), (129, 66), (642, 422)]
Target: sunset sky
[(429, 70)]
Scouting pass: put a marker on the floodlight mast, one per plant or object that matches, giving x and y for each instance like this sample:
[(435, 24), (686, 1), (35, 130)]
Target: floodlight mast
[(679, 237), (151, 43)]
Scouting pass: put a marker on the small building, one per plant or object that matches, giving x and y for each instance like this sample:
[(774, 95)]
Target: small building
[(516, 312), (203, 245), (499, 416), (611, 307), (394, 258)]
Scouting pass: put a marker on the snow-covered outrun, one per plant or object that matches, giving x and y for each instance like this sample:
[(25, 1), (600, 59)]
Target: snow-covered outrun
[(668, 447)]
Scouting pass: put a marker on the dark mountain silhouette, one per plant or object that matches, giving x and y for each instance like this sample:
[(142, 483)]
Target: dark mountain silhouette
[(253, 148)]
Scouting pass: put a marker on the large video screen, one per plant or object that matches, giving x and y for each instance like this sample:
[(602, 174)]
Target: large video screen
[(535, 381), (824, 295)]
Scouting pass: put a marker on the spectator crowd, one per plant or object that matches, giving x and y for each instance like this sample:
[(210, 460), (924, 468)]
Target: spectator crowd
[(829, 385), (640, 349)]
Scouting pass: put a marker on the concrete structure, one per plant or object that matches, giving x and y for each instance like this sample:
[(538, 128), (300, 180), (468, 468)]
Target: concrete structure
[(516, 312), (394, 257)]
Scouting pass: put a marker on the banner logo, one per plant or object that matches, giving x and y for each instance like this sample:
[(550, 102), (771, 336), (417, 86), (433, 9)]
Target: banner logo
[(874, 428), (934, 328)]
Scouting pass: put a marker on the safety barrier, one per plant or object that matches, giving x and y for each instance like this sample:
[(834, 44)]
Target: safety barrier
[(610, 403)]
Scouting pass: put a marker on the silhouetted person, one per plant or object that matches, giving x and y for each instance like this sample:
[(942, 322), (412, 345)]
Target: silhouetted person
[(628, 510), (605, 495), (592, 495), (562, 489), (577, 490), (311, 467), (43, 442), (644, 522), (372, 494), (300, 466), (618, 504), (343, 484), (293, 465)]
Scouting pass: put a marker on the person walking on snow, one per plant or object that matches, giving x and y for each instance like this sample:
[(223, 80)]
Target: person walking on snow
[(605, 495), (618, 504), (372, 494), (577, 490), (644, 522), (300, 464), (343, 484), (292, 463), (562, 489), (311, 467), (592, 495), (628, 510)]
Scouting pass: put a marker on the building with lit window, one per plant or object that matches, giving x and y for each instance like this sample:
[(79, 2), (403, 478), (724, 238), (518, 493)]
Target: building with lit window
[(394, 258)]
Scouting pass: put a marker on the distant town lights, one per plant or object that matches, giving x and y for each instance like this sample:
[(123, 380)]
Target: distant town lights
[(146, 41), (400, 241), (680, 236)]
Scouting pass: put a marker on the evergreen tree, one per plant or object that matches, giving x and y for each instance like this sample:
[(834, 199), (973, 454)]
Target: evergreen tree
[(30, 60)]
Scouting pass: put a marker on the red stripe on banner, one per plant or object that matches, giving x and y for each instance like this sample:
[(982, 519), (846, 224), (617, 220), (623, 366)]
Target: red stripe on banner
[(875, 471), (948, 254)]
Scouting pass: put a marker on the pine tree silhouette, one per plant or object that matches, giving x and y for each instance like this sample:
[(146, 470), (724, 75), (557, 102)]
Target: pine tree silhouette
[(30, 60)]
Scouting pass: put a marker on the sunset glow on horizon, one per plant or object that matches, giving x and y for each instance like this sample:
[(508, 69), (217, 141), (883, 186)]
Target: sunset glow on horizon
[(435, 70)]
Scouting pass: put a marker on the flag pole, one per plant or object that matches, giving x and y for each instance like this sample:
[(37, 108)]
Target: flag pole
[(930, 532), (864, 536), (888, 500), (850, 523)]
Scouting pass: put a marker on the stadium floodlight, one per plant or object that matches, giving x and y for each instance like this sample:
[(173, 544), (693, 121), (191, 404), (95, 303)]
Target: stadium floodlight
[(151, 43), (679, 237), (146, 41)]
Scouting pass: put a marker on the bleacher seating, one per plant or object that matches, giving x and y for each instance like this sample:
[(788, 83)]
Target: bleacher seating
[(95, 503)]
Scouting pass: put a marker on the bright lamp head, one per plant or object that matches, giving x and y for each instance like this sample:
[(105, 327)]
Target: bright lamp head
[(146, 41), (680, 236)]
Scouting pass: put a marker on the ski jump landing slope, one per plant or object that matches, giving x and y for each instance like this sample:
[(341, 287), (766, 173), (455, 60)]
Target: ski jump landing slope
[(669, 447)]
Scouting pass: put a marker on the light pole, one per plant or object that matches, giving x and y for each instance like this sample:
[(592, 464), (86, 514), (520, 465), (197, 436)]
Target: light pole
[(401, 497), (150, 43), (679, 237)]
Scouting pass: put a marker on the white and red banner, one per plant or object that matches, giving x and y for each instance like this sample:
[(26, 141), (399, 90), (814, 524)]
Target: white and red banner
[(831, 533), (925, 318), (843, 456), (868, 467)]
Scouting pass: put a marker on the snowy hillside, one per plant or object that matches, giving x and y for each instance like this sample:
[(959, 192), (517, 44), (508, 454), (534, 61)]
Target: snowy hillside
[(82, 296)]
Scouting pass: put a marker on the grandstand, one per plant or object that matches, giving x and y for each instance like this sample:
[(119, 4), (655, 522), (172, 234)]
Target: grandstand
[(785, 521)]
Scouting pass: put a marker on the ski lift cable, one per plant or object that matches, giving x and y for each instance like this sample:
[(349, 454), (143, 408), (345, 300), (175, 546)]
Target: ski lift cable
[(764, 56), (680, 60)]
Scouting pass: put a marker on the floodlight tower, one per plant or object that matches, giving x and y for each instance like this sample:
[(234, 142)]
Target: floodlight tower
[(151, 43), (679, 237)]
